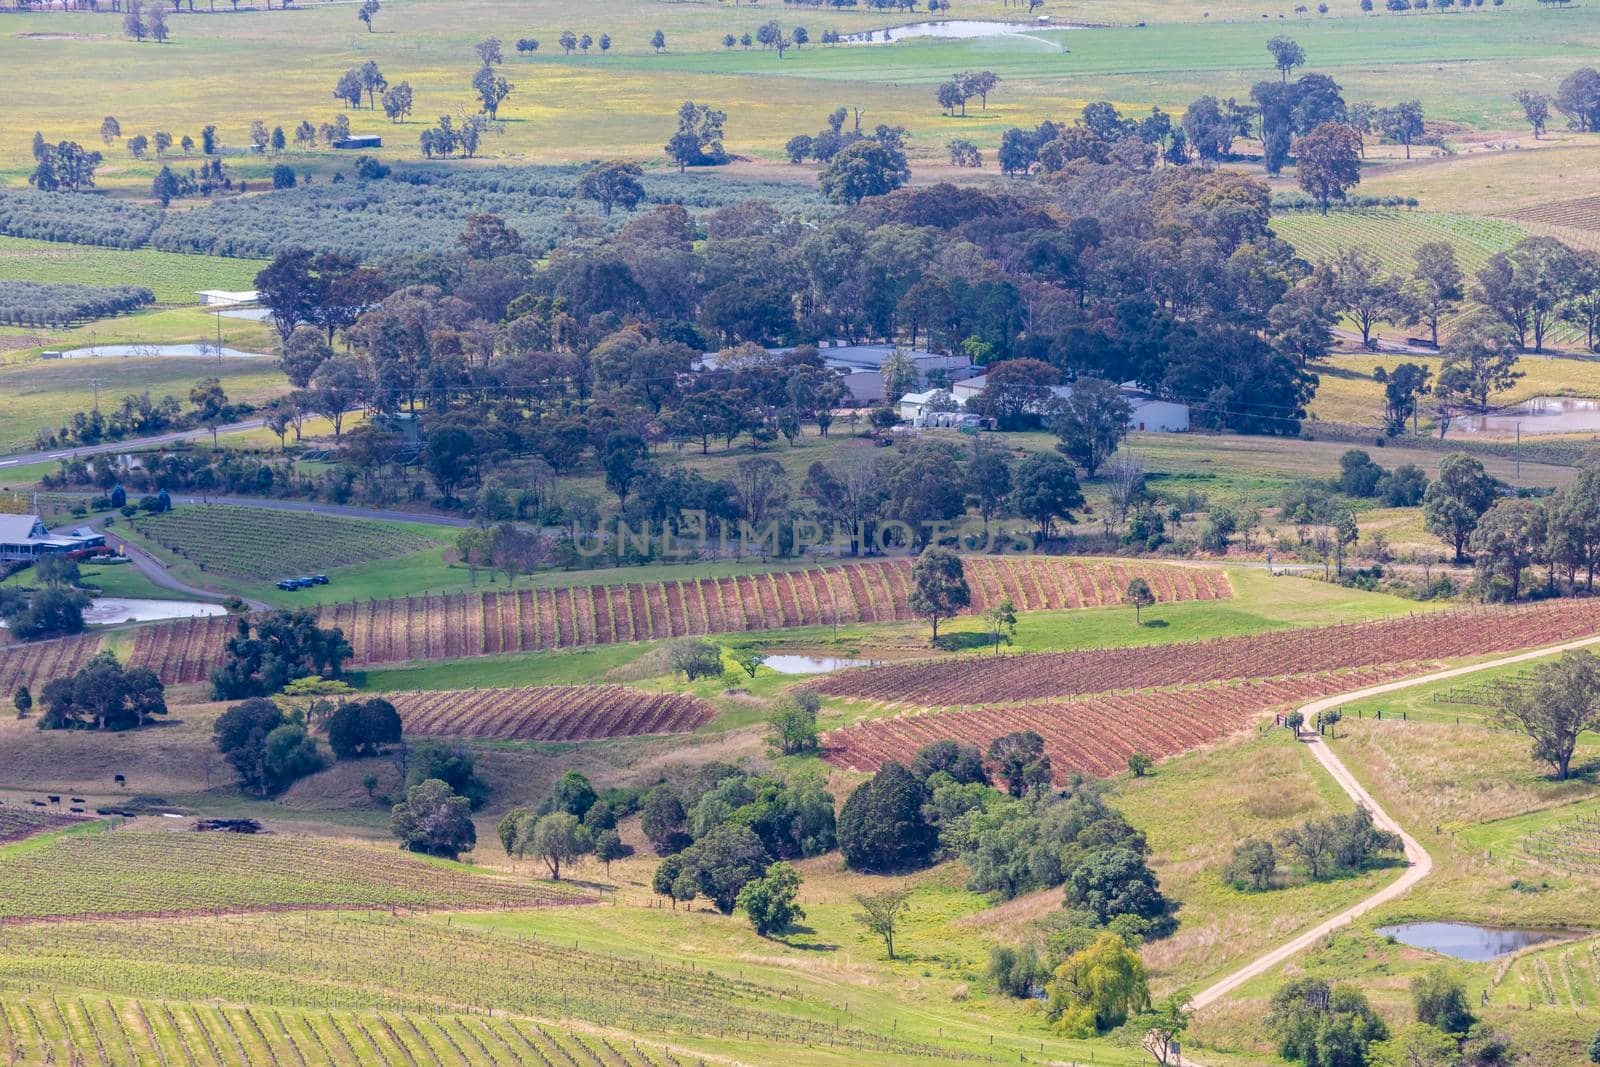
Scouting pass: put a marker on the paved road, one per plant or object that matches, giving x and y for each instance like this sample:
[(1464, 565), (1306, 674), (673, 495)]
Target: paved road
[(1417, 858), (129, 444)]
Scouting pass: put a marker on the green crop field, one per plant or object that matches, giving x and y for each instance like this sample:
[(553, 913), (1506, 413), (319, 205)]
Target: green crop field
[(120, 871), (1394, 236), (256, 543), (174, 278)]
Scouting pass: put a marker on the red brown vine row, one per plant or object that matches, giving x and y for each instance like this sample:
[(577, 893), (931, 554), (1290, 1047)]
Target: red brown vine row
[(1096, 736), (550, 713), (1040, 675)]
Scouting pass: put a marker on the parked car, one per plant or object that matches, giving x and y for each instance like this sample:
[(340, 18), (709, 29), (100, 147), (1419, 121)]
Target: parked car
[(289, 584), (319, 579)]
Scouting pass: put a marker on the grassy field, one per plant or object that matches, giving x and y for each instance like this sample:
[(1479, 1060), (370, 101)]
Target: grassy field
[(1473, 797), (44, 395), (172, 277), (1187, 50)]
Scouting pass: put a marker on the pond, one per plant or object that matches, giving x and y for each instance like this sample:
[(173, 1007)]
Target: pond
[(105, 610), (1542, 414), (811, 664), (208, 351), (1466, 941), (955, 29)]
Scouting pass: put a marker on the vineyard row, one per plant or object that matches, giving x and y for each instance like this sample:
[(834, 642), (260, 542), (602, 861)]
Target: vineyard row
[(1097, 736), (549, 713), (1043, 675), (448, 626)]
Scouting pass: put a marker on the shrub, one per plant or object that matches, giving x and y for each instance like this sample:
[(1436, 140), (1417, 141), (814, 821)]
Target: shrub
[(881, 827)]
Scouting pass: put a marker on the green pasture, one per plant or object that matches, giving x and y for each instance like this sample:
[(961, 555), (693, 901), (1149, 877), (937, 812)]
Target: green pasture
[(173, 277), (1462, 65), (43, 395)]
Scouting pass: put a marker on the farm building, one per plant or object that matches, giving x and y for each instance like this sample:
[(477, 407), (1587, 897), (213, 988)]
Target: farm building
[(1151, 414), (25, 537), (862, 368), (934, 408), (366, 140)]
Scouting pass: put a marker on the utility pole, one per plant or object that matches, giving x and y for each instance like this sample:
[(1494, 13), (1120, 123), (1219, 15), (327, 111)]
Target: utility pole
[(1519, 452), (96, 383), (219, 338)]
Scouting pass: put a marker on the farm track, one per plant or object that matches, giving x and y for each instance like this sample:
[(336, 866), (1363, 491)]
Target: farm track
[(1419, 862), (984, 679), (464, 624)]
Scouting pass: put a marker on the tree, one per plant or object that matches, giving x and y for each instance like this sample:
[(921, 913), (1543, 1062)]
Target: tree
[(1561, 703), (663, 820), (1356, 287), (939, 587), (1578, 97), (1140, 596), (1526, 286), (1440, 1001), (771, 901), (864, 168), (210, 404), (1418, 1045), (433, 820), (304, 351), (110, 129), (397, 101), (1328, 162), (1001, 622), (283, 176), (492, 89), (336, 387), (1253, 864), (555, 839), (880, 913), (1097, 988), (368, 11), (1159, 1029), (1140, 764), (1480, 359), (658, 41), (573, 794), (1402, 122), (1323, 1027), (1021, 762), (1438, 285), (696, 659), (1091, 422), (881, 827), (489, 51), (100, 695), (1286, 55), (1046, 490), (1506, 540), (611, 184), (361, 728), (349, 87), (22, 700), (608, 847), (266, 750), (155, 23), (794, 724), (723, 861), (698, 142), (963, 153), (1535, 109), (626, 460), (133, 23), (961, 762)]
